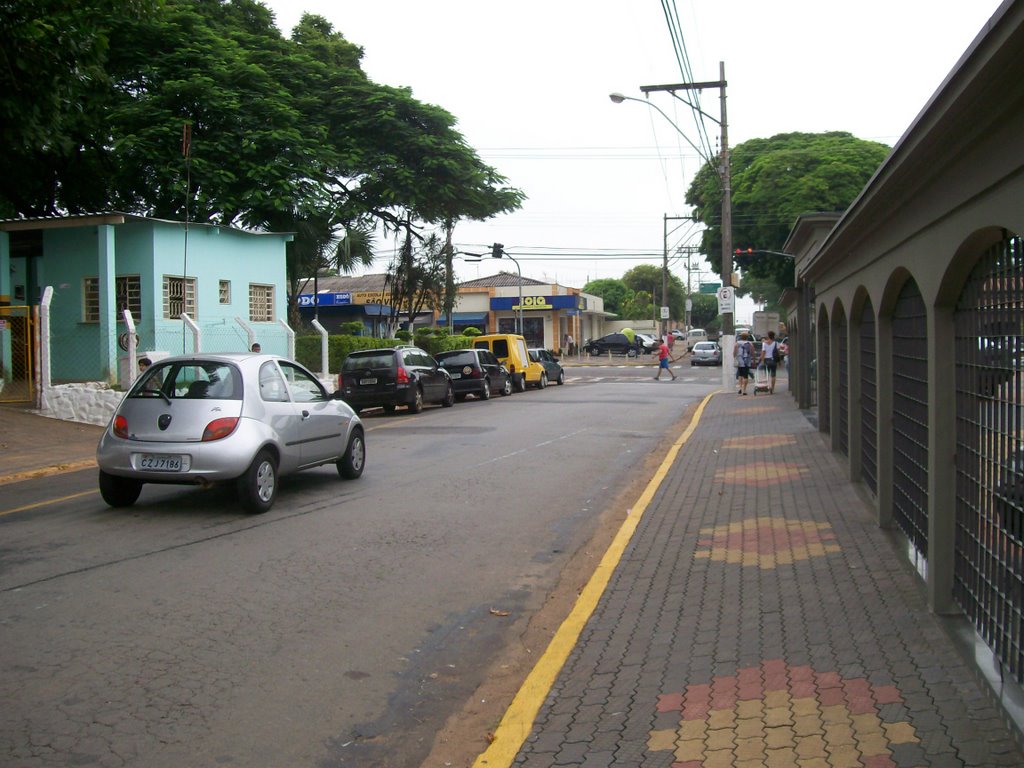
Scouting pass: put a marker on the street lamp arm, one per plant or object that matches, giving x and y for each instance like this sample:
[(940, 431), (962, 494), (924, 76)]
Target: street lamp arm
[(618, 98)]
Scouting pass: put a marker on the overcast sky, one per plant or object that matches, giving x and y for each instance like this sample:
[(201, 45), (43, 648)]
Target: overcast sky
[(528, 82)]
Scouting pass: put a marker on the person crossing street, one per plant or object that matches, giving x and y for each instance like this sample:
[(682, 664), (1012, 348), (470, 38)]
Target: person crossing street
[(664, 357)]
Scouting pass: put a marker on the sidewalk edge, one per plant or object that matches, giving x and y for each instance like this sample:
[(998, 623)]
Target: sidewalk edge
[(518, 720)]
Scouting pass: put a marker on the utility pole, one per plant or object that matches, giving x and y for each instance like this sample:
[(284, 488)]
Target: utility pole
[(728, 328)]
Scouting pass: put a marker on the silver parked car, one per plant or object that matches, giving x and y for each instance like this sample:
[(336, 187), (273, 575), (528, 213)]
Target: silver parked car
[(247, 418), (706, 353)]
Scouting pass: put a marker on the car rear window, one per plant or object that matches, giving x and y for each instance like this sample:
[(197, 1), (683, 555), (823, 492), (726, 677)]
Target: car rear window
[(373, 360), (195, 380), (457, 359)]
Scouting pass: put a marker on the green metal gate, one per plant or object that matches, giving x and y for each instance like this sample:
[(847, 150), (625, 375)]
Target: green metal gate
[(17, 345)]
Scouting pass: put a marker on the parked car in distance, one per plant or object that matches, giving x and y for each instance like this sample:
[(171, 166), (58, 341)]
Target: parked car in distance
[(616, 343), (552, 367), (393, 377), (706, 353), (247, 418), (694, 336), (475, 372), (510, 349), (648, 343)]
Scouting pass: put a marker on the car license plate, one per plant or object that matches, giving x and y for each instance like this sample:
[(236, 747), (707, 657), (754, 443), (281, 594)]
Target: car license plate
[(456, 375), (160, 462), (367, 382)]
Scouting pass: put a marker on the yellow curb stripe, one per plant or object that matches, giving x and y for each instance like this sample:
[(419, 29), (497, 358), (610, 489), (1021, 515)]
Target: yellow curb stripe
[(515, 726), (48, 502), (29, 474)]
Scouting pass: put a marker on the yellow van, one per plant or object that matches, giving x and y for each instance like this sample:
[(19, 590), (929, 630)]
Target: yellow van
[(510, 349)]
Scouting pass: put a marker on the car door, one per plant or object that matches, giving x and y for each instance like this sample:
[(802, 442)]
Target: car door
[(427, 373), (322, 424), (282, 415)]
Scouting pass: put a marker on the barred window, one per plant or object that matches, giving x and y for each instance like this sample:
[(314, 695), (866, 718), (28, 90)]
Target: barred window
[(261, 303), (225, 291), (179, 297), (127, 295)]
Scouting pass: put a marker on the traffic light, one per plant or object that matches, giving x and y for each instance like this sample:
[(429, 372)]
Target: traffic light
[(744, 251), (496, 250)]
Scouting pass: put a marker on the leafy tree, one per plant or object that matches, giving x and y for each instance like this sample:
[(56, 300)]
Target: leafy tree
[(774, 181), (285, 134), (614, 292), (648, 277), (704, 312)]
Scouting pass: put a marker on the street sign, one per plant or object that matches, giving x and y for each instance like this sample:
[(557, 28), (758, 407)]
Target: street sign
[(726, 300), (664, 313), (710, 287)]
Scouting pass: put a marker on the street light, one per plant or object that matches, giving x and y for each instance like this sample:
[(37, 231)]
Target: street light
[(723, 175)]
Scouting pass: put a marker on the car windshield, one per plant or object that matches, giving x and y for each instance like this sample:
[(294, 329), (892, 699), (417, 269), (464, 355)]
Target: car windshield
[(456, 359)]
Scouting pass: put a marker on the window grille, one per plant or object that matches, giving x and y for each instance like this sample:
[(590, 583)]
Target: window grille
[(261, 303), (225, 291), (127, 295), (179, 297)]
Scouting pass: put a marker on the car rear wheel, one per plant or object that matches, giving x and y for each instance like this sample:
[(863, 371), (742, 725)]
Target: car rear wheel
[(543, 382), (417, 401), (257, 488), (350, 466), (520, 382), (449, 397), (506, 390), (119, 491), (485, 391)]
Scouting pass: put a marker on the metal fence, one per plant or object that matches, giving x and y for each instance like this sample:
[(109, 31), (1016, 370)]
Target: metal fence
[(910, 416), (17, 363), (989, 546), (868, 399)]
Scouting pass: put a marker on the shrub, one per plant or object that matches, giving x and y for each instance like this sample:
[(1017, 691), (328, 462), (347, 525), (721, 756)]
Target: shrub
[(403, 335), (471, 332), (353, 328)]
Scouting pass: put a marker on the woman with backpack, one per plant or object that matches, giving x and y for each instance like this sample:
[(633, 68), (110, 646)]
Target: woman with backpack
[(743, 354)]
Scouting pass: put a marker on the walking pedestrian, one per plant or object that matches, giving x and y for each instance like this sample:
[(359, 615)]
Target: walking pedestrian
[(770, 354), (664, 356), (743, 355)]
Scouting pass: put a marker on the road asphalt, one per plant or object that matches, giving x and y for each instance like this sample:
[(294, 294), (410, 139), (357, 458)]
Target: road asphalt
[(749, 613)]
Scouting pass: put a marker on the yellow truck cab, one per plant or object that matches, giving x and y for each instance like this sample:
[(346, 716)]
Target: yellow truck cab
[(510, 349)]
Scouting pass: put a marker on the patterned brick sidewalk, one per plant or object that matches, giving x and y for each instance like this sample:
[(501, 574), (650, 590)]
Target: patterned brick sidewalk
[(760, 618)]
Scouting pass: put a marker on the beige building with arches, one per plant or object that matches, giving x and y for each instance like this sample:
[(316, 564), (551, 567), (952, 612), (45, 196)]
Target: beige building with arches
[(909, 340)]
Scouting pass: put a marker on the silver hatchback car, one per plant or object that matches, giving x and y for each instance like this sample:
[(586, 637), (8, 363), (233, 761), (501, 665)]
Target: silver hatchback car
[(247, 418)]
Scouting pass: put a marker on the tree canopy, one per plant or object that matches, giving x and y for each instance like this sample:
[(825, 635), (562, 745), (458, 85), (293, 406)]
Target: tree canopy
[(97, 99), (774, 181)]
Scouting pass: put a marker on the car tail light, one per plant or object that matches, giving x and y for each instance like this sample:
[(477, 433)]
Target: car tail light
[(402, 377), (219, 428), (341, 381), (121, 426)]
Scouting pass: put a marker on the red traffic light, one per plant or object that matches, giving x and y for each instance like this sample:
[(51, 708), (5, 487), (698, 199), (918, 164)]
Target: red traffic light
[(740, 251)]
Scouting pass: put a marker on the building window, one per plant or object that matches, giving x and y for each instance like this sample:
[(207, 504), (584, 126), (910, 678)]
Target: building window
[(225, 291), (179, 297), (261, 303), (127, 295)]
